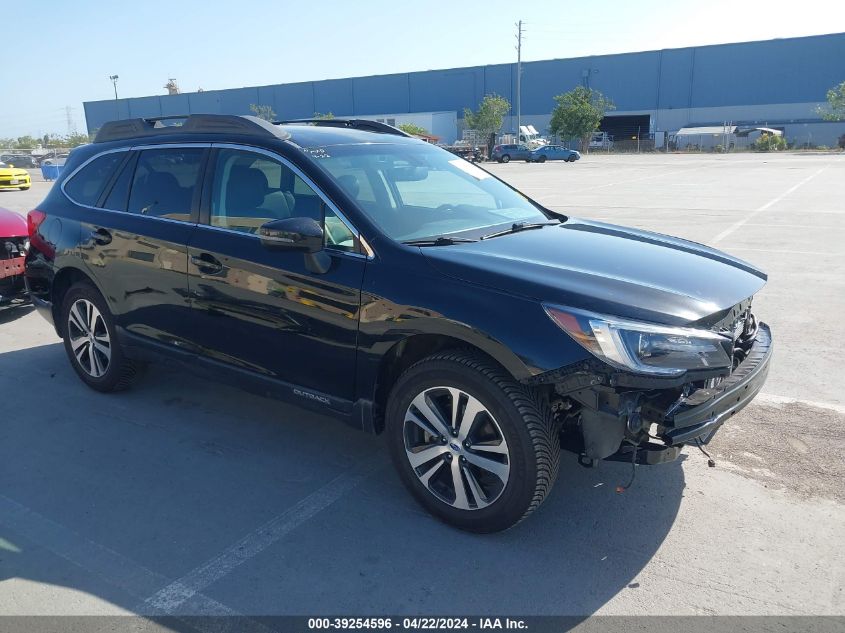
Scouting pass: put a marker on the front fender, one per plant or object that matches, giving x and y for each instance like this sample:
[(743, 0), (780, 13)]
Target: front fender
[(403, 302)]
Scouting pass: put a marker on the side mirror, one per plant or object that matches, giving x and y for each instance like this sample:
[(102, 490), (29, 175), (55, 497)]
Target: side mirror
[(292, 234), (297, 234)]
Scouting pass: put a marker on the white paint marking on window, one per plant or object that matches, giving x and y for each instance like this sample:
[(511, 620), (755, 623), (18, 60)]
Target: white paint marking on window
[(468, 167)]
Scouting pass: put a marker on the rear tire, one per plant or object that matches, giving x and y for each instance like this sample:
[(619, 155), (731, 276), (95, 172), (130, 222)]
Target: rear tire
[(505, 159), (90, 340), (482, 472)]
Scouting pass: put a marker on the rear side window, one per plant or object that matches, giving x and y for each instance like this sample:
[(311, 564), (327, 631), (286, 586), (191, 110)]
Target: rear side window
[(119, 194), (86, 186), (164, 183)]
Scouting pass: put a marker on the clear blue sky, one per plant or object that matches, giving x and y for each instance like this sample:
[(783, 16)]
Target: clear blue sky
[(76, 45)]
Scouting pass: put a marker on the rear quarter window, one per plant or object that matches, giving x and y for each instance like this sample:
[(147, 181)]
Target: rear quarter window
[(88, 183)]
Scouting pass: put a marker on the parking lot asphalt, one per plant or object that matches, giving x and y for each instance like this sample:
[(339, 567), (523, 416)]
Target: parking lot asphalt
[(183, 496)]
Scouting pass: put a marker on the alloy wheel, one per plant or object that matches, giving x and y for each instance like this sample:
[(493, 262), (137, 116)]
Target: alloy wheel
[(89, 338), (456, 448)]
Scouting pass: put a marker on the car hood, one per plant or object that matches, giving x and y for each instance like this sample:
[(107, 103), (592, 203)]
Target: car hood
[(12, 224), (12, 171), (606, 269)]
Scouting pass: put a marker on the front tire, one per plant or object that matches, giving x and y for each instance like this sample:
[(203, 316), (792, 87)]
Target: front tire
[(474, 447), (91, 343)]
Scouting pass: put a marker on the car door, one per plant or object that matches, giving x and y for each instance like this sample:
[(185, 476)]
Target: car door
[(134, 237), (265, 311)]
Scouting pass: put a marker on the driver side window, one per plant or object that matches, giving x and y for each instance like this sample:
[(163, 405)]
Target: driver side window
[(247, 191), (251, 189)]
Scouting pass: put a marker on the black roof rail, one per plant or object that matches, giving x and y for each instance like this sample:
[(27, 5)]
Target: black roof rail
[(193, 124), (357, 124)]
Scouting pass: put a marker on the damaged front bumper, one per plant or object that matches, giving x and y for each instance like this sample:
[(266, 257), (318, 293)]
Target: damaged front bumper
[(622, 418), (12, 288), (700, 414)]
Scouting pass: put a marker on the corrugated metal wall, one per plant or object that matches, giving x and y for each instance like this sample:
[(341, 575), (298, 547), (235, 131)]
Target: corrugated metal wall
[(795, 70)]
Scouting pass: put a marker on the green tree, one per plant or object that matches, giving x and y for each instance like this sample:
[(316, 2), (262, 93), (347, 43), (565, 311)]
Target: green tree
[(835, 110), (26, 142), (75, 140), (262, 112), (412, 128), (578, 114), (323, 117), (770, 143), (488, 119)]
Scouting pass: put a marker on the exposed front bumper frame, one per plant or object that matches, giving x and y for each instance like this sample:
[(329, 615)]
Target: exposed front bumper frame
[(698, 416)]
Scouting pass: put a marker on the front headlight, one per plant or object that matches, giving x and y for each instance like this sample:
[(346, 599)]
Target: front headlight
[(645, 348)]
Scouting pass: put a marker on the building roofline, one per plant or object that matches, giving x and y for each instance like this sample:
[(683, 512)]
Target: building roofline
[(495, 65)]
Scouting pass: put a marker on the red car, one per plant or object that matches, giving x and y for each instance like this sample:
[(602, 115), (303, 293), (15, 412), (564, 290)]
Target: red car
[(13, 243)]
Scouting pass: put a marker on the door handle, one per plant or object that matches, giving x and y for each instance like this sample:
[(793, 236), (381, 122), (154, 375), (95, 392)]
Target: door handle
[(101, 236), (206, 263)]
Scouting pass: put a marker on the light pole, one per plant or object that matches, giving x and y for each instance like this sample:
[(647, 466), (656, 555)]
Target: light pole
[(114, 79), (518, 80)]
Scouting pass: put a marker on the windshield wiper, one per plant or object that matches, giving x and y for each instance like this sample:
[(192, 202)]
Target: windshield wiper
[(516, 227), (438, 241)]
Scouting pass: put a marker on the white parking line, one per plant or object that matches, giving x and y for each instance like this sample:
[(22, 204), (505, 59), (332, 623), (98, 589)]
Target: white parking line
[(782, 251), (662, 174), (768, 398), (177, 593), (736, 225), (100, 561)]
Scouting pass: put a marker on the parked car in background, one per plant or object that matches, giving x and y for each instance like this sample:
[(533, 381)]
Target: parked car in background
[(13, 177), (507, 153), (24, 161), (13, 243), (553, 152), (53, 159), (343, 266)]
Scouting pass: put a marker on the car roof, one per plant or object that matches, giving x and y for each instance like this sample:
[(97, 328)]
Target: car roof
[(308, 136)]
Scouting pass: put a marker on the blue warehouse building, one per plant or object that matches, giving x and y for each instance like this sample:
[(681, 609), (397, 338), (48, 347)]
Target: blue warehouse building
[(775, 83)]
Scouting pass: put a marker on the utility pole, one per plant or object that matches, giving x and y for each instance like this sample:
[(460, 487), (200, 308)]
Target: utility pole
[(71, 126), (518, 80)]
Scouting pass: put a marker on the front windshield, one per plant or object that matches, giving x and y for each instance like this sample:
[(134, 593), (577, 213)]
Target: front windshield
[(416, 191)]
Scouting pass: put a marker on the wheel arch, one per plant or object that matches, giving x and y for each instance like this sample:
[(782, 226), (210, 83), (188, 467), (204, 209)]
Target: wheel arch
[(63, 280), (414, 348)]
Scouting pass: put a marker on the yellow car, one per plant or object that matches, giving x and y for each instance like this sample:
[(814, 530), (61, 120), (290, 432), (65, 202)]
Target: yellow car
[(14, 178)]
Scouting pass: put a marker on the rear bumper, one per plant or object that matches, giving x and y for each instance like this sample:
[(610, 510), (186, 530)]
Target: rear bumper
[(42, 306)]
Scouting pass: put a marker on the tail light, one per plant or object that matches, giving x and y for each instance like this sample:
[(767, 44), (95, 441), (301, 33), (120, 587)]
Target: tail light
[(497, 148), (33, 220)]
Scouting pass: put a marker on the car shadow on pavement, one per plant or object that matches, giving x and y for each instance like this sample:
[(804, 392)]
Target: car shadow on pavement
[(14, 312), (117, 495)]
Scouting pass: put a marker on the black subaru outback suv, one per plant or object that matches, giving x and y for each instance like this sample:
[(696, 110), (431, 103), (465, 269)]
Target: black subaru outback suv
[(344, 266)]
